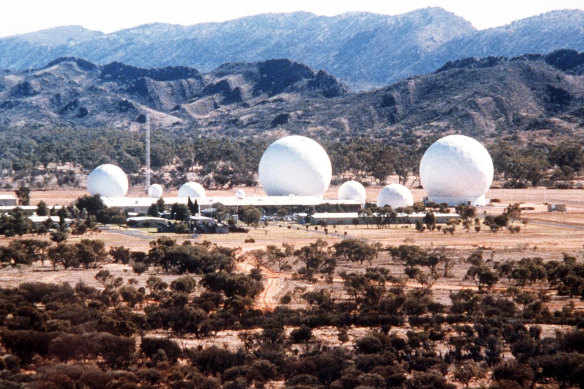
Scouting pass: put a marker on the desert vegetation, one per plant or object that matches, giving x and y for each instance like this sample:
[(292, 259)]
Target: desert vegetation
[(386, 327), (44, 157)]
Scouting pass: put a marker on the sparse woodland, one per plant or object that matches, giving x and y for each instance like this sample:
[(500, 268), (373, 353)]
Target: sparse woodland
[(388, 329), (41, 158)]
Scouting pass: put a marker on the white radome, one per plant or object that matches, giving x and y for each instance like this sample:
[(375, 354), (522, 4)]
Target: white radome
[(352, 190), (396, 196), (240, 194), (456, 169), (295, 165), (155, 191), (192, 190), (108, 181)]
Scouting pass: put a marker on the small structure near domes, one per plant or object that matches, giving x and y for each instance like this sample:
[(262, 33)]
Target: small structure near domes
[(155, 191), (192, 189), (396, 196), (352, 190)]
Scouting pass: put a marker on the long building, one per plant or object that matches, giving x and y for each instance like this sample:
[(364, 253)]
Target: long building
[(346, 218), (141, 204), (8, 200)]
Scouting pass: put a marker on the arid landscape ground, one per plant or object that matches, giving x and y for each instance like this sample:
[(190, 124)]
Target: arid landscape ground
[(544, 234), (492, 297)]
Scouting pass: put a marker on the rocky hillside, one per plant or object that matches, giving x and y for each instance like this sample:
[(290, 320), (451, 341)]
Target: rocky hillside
[(75, 92), (531, 98), (526, 98), (360, 49)]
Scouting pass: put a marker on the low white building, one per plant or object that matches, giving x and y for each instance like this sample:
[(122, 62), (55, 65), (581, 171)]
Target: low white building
[(347, 218), (40, 220), (8, 200), (141, 204), (146, 221)]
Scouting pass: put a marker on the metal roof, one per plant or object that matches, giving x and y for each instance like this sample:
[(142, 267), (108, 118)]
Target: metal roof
[(354, 215), (146, 218), (206, 202)]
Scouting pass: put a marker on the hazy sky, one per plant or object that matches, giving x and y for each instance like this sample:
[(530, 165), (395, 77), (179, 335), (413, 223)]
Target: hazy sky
[(20, 16)]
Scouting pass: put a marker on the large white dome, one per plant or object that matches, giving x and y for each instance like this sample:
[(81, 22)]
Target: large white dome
[(456, 169), (352, 190), (295, 165), (396, 196), (192, 190), (108, 181), (155, 191)]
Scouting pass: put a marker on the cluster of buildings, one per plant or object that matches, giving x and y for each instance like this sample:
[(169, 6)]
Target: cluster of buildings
[(296, 171)]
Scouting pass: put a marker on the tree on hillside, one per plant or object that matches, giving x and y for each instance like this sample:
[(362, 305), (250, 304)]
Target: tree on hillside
[(568, 154), (23, 194)]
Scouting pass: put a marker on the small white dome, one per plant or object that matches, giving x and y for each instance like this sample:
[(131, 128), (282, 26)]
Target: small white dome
[(155, 191), (456, 169), (108, 181), (352, 190), (295, 165), (396, 196), (192, 190), (240, 193)]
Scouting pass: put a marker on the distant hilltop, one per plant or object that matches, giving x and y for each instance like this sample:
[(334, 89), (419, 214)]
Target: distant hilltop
[(78, 93), (362, 50)]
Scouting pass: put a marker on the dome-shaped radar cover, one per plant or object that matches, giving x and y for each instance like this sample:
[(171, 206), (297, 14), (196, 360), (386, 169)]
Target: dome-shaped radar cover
[(456, 169), (295, 165), (352, 190), (108, 181), (192, 190), (155, 191), (396, 196)]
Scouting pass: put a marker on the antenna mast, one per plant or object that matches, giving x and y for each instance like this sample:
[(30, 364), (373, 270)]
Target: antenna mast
[(147, 151)]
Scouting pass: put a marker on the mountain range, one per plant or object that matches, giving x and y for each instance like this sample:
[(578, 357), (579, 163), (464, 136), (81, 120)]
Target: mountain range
[(362, 50), (527, 98), (76, 92)]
